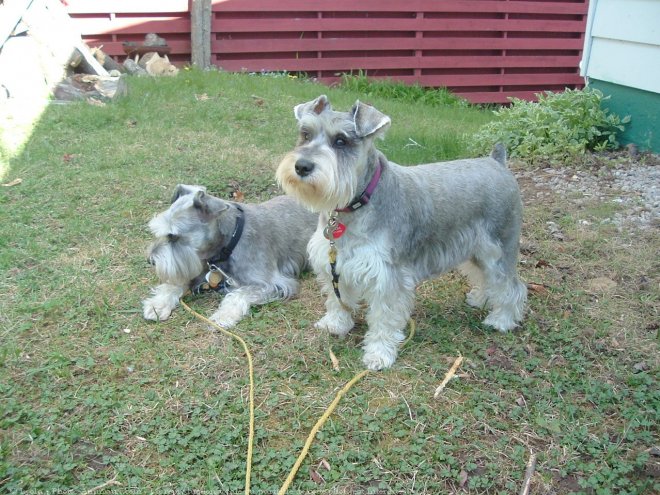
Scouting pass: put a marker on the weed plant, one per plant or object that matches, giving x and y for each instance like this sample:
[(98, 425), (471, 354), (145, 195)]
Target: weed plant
[(399, 91), (559, 127), (92, 393)]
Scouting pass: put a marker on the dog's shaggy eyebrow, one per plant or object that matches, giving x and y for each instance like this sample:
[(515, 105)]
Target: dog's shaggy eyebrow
[(344, 128)]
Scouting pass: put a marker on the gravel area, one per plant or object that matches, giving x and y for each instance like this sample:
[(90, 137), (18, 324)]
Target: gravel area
[(635, 185)]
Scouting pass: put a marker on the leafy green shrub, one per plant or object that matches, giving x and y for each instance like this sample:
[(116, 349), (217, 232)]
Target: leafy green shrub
[(559, 128), (386, 88)]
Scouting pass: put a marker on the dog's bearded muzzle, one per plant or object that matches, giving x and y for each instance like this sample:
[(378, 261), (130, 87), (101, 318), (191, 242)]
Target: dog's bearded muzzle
[(314, 181), (175, 263)]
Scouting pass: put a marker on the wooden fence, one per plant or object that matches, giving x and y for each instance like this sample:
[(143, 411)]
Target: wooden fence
[(484, 50)]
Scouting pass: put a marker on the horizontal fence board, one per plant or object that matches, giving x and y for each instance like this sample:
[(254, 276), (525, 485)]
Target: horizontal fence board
[(500, 80), (449, 80), (227, 46), (125, 6), (114, 48), (475, 6), (375, 24), (369, 63), (131, 25)]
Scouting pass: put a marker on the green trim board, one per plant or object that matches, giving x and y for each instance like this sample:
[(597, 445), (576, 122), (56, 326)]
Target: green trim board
[(643, 108)]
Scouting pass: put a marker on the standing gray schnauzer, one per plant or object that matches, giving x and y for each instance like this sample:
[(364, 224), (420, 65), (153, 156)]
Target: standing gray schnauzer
[(252, 253), (385, 228)]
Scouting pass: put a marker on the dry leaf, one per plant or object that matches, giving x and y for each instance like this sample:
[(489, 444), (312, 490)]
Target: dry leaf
[(239, 197), (14, 182), (538, 288), (462, 478), (202, 97), (316, 477), (325, 464), (67, 157), (601, 284)]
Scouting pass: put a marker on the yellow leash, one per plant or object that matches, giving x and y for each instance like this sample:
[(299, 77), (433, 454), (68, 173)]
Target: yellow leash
[(315, 430), (248, 462), (326, 415), (319, 424)]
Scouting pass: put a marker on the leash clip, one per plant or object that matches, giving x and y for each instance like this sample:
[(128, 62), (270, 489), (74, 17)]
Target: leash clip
[(331, 226)]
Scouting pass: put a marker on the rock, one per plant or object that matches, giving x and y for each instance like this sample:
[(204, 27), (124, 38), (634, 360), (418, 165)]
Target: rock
[(133, 68), (152, 39), (160, 66)]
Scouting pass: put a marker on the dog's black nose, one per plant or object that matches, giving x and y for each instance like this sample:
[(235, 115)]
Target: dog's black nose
[(304, 167)]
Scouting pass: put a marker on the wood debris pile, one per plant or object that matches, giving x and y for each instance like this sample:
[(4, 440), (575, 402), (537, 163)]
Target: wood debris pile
[(42, 56)]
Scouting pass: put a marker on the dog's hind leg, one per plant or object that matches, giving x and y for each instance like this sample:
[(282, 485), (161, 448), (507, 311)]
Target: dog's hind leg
[(164, 299), (506, 295)]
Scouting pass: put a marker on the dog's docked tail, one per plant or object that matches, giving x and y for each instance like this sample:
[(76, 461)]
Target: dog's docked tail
[(499, 154)]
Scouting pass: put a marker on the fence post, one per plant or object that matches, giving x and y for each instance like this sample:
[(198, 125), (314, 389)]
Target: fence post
[(200, 33)]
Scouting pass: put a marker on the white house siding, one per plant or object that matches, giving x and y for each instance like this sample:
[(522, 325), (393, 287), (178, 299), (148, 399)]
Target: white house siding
[(622, 43)]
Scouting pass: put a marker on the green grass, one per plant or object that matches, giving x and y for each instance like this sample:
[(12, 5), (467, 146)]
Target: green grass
[(90, 392)]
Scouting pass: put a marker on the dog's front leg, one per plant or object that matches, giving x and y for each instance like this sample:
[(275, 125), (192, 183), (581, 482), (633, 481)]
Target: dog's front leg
[(164, 299), (390, 305), (338, 318), (236, 304)]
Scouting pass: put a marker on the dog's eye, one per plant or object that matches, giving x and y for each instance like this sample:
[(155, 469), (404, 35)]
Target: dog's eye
[(340, 142), (305, 136), (172, 237)]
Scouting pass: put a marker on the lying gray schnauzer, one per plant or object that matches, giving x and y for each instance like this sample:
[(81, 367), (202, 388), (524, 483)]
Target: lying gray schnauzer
[(385, 228), (251, 252)]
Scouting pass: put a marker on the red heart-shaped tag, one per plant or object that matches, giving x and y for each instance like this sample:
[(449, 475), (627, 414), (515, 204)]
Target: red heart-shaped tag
[(339, 231)]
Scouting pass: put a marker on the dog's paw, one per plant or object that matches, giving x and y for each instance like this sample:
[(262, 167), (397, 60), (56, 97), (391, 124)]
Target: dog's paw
[(380, 358), (225, 319), (335, 325), (476, 298), (156, 309), (500, 321)]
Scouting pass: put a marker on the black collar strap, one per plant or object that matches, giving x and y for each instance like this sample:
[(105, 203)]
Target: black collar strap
[(224, 254)]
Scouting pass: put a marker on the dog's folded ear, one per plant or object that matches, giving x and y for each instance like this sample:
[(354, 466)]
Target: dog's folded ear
[(317, 106), (209, 205), (368, 120), (183, 189)]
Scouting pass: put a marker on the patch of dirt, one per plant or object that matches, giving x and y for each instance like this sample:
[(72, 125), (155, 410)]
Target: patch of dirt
[(629, 183)]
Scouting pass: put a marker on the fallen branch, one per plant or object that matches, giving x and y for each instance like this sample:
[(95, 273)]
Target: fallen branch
[(450, 374), (334, 360), (529, 472)]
